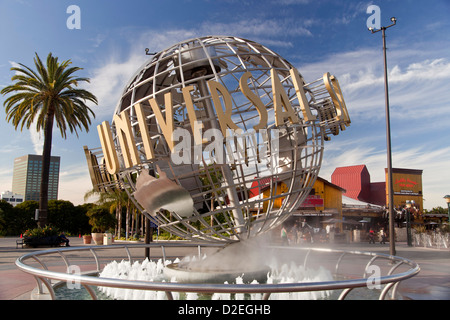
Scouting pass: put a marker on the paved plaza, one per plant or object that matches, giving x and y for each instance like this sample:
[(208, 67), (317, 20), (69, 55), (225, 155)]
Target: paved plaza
[(432, 283)]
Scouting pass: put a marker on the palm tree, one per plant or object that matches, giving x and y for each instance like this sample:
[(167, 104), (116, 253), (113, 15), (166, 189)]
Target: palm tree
[(43, 97), (115, 199)]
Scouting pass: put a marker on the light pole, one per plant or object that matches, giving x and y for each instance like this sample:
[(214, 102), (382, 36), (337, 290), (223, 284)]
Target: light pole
[(447, 199), (388, 140), (408, 222)]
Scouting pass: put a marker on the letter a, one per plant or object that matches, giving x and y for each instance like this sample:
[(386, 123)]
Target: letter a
[(73, 21), (281, 99)]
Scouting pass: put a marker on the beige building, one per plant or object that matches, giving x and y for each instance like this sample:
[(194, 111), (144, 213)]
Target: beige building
[(27, 177)]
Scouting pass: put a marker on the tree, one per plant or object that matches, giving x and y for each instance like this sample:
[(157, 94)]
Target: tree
[(115, 199), (22, 218), (5, 211), (43, 97), (100, 218)]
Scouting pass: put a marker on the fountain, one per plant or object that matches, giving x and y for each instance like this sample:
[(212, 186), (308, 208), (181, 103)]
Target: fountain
[(218, 139), (434, 239), (250, 130)]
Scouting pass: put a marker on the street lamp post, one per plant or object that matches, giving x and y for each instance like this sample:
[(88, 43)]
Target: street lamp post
[(408, 223), (388, 140), (447, 199)]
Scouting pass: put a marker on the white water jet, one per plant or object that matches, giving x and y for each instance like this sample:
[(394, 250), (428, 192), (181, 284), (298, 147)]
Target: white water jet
[(154, 271), (439, 240)]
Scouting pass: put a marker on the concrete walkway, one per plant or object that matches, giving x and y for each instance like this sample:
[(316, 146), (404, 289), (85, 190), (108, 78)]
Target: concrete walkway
[(432, 283)]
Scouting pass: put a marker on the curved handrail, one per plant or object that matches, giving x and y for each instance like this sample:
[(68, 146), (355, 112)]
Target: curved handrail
[(347, 284)]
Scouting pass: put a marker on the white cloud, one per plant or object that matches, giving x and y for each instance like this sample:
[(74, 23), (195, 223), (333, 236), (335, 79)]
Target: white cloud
[(74, 182), (73, 189), (37, 139), (109, 80), (418, 84)]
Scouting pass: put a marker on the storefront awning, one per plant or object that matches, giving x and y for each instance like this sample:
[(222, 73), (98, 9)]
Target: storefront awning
[(315, 213)]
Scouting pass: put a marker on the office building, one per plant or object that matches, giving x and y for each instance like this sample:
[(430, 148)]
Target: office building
[(11, 198), (27, 177)]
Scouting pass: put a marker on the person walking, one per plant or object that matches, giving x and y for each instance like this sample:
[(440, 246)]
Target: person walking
[(284, 236), (371, 236), (383, 236)]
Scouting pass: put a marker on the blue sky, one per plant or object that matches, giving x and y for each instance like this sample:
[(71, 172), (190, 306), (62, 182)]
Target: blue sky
[(316, 36)]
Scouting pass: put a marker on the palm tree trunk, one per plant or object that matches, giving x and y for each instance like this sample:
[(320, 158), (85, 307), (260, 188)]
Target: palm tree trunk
[(119, 221), (132, 222), (116, 228), (127, 222), (46, 157)]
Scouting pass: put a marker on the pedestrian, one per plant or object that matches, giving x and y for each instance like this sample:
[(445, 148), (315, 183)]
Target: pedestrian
[(383, 236), (371, 236), (294, 233), (284, 236), (63, 239)]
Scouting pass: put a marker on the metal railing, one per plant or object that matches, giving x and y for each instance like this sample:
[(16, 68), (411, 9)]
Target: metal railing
[(90, 278)]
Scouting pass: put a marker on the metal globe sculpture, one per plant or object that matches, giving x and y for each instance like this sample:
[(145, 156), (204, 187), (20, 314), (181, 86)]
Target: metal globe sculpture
[(218, 138)]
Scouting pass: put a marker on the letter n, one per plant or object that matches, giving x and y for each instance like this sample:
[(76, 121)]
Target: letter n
[(126, 140)]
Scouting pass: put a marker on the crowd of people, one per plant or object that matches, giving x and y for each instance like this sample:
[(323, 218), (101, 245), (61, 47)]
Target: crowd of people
[(303, 233), (375, 236)]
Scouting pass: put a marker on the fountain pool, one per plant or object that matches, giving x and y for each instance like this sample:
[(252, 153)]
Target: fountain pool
[(309, 273)]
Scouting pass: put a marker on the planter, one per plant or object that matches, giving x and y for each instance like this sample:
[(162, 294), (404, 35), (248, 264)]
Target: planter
[(97, 237), (87, 239)]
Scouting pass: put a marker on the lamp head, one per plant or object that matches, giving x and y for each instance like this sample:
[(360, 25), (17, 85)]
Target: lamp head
[(447, 198), (394, 20)]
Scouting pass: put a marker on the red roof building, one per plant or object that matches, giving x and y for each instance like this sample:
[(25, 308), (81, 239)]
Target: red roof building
[(356, 181)]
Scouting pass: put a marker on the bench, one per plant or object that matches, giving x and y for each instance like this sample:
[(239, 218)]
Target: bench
[(19, 242), (34, 242)]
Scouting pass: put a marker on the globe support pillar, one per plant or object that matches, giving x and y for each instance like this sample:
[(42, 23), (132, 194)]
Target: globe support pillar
[(227, 174)]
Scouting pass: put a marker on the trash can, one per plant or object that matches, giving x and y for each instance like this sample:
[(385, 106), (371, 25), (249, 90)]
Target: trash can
[(107, 239), (356, 235)]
